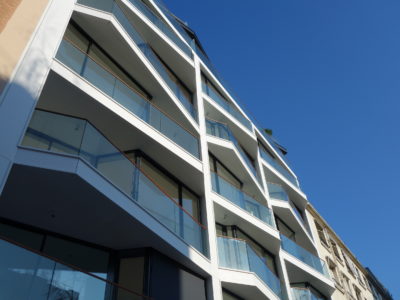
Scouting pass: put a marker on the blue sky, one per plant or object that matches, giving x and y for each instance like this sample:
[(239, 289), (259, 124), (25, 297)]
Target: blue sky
[(325, 76)]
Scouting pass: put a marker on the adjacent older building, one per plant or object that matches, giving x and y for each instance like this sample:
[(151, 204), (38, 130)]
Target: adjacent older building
[(129, 171), (352, 280)]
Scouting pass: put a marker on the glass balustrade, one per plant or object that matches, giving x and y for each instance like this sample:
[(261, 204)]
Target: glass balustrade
[(305, 294), (226, 105), (222, 131), (143, 8), (215, 96), (241, 199), (305, 256), (112, 7), (276, 191), (109, 84), (237, 254), (273, 163), (64, 134), (26, 274)]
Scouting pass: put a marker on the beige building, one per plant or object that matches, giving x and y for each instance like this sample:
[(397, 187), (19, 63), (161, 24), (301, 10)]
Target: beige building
[(18, 20), (346, 271)]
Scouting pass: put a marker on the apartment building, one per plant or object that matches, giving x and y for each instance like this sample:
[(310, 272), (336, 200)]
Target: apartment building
[(352, 280), (129, 171)]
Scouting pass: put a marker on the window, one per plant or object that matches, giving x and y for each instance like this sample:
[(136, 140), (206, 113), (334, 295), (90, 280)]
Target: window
[(76, 36), (183, 90), (347, 286), (360, 280), (357, 292), (334, 271), (235, 232), (285, 229), (366, 282), (174, 188), (349, 265), (335, 249), (297, 211), (78, 254), (131, 275), (217, 167), (87, 258), (305, 290), (321, 234)]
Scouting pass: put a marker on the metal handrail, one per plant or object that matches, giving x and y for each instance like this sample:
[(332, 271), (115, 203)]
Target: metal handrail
[(133, 163)]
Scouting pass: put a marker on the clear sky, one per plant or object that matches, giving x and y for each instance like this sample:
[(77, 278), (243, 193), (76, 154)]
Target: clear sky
[(325, 76)]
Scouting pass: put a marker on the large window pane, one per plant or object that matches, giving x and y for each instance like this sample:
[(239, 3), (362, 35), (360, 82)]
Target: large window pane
[(190, 203), (87, 258), (222, 171), (168, 185)]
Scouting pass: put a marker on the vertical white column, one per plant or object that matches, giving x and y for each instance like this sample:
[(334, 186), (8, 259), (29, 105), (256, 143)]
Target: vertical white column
[(285, 286), (21, 95), (214, 290)]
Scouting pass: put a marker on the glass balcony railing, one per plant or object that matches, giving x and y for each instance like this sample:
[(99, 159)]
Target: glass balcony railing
[(226, 106), (189, 40), (111, 6), (28, 274), (222, 131), (273, 163), (112, 86), (143, 8), (63, 134), (241, 199), (305, 294), (237, 254), (305, 256), (276, 191), (212, 68)]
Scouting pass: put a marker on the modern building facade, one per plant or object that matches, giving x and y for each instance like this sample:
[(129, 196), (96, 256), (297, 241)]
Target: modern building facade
[(129, 171)]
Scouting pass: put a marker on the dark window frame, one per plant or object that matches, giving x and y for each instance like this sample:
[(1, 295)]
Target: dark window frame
[(91, 42)]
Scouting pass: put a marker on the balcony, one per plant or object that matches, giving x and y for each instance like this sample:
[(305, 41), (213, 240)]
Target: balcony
[(238, 255), (127, 97), (241, 199), (277, 192), (111, 6), (228, 107), (77, 137), (305, 256), (276, 165), (162, 26), (299, 293), (222, 131), (28, 274)]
